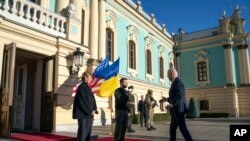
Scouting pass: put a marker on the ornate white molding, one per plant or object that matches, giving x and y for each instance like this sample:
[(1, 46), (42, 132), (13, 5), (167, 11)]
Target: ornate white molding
[(148, 46), (161, 50), (112, 20), (149, 77), (132, 72), (132, 33), (148, 43), (171, 59), (163, 82), (201, 56)]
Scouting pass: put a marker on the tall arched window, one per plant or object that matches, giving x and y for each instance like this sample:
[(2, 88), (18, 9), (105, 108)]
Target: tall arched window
[(132, 55), (161, 63), (149, 61), (110, 44)]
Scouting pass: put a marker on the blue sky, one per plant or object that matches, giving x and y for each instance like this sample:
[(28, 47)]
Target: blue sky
[(193, 15)]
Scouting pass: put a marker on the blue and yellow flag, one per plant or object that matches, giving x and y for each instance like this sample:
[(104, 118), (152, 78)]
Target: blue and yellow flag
[(105, 80), (110, 83)]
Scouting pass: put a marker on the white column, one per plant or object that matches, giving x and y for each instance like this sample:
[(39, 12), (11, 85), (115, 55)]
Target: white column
[(93, 33), (45, 4), (246, 64), (241, 64), (228, 63), (60, 4), (78, 4), (102, 29)]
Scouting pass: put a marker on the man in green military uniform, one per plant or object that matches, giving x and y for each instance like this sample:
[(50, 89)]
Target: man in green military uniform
[(150, 104), (131, 106)]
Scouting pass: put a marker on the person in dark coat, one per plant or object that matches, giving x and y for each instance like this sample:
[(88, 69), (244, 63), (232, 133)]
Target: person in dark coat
[(84, 108), (121, 111), (142, 111), (178, 106)]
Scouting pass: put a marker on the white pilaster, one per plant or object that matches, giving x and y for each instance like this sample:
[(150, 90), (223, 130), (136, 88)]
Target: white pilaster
[(228, 63), (102, 29), (93, 33), (246, 65), (60, 4), (78, 4), (45, 3), (241, 64)]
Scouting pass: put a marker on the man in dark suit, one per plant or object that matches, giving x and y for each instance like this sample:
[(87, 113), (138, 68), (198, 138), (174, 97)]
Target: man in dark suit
[(177, 106), (122, 111), (84, 108), (142, 111)]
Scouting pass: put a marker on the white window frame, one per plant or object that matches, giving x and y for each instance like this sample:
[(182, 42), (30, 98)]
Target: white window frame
[(201, 56), (148, 46), (132, 33), (161, 53), (111, 24)]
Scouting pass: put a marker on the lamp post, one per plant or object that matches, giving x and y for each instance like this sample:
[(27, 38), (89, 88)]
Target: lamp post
[(77, 61)]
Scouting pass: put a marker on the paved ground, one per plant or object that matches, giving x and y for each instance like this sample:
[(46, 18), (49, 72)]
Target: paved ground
[(200, 129)]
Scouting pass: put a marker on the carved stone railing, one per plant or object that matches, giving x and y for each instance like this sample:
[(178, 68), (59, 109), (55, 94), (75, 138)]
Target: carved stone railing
[(147, 17), (33, 16)]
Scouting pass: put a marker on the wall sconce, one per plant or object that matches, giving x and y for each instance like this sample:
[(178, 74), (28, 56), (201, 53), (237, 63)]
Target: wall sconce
[(78, 61)]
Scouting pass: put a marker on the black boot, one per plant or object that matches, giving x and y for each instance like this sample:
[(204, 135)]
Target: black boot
[(152, 128)]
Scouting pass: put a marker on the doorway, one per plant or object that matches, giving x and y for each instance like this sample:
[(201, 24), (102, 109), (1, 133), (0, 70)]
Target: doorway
[(26, 108), (26, 92)]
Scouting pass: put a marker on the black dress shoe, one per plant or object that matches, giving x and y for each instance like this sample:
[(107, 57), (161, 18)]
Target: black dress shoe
[(149, 129), (152, 128)]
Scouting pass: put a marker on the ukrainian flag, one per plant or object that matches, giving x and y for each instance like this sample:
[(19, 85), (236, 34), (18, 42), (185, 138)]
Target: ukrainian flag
[(110, 83)]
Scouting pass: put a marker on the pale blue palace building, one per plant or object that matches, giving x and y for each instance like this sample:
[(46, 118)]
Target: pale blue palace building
[(214, 65), (37, 71)]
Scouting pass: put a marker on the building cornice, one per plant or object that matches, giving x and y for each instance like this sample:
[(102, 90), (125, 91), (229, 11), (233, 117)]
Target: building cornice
[(145, 21), (203, 40)]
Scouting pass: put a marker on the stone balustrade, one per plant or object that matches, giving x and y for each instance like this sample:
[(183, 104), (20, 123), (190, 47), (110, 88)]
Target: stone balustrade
[(33, 16), (146, 16)]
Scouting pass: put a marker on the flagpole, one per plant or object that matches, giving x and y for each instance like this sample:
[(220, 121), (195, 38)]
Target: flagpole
[(111, 110)]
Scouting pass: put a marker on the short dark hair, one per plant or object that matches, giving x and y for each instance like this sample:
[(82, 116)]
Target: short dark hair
[(123, 79), (85, 74), (131, 87)]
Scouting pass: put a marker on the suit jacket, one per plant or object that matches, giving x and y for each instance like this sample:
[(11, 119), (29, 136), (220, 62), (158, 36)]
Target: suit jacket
[(141, 106), (177, 97), (84, 102)]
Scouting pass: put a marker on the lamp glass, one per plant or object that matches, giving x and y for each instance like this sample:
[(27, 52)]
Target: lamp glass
[(78, 60)]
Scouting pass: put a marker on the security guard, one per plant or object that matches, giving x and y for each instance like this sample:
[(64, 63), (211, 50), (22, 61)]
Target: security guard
[(150, 104), (131, 102)]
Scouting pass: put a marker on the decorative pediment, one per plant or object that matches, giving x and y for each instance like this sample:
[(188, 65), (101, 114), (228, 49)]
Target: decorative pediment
[(161, 49), (148, 42), (132, 32), (201, 56), (111, 19)]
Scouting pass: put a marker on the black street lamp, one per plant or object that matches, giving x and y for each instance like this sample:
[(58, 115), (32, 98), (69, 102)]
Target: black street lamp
[(77, 60)]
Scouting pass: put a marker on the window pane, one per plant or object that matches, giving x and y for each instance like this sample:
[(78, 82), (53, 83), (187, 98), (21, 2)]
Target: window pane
[(109, 44), (132, 54), (161, 68), (202, 71)]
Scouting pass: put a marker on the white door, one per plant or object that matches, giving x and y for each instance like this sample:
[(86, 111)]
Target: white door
[(19, 97)]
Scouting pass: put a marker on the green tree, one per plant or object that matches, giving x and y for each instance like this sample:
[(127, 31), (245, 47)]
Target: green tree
[(193, 111)]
